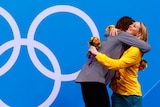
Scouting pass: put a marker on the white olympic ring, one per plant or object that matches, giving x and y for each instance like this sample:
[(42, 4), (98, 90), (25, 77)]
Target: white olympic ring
[(31, 44)]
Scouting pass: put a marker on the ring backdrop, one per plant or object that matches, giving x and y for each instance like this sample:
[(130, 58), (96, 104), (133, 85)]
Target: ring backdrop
[(43, 47)]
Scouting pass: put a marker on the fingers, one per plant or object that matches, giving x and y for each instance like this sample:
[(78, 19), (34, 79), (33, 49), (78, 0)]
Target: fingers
[(113, 32), (93, 50)]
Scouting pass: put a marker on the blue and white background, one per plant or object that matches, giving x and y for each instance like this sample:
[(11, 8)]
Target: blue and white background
[(43, 46)]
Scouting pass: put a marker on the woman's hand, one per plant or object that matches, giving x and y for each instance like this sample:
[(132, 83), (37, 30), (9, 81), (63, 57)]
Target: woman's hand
[(93, 50), (113, 31)]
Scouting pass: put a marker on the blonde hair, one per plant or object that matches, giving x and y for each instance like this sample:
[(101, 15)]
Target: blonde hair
[(144, 32)]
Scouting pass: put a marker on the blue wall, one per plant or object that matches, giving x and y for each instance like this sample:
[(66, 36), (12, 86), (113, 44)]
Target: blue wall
[(43, 46)]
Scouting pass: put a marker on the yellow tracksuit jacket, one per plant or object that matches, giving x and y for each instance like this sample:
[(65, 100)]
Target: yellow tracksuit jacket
[(126, 80)]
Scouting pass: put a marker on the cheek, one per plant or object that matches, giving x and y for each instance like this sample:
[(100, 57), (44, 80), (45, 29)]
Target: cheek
[(128, 31), (134, 32)]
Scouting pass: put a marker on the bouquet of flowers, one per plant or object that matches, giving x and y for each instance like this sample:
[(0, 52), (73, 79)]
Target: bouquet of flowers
[(143, 64), (94, 41)]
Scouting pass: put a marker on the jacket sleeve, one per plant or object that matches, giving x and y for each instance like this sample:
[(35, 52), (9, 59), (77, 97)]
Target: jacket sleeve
[(127, 59), (130, 40), (106, 34)]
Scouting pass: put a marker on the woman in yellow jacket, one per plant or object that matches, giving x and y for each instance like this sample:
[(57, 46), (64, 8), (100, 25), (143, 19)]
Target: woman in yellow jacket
[(125, 85)]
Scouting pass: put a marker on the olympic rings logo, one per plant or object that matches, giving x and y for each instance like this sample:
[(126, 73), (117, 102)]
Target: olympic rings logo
[(17, 42)]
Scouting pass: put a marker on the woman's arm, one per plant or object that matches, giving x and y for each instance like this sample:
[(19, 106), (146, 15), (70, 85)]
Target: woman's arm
[(130, 57), (130, 40)]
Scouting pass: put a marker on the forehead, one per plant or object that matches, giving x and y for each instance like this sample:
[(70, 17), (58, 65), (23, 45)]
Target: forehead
[(136, 24)]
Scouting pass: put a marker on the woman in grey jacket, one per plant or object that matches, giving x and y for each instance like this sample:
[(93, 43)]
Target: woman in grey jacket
[(94, 77)]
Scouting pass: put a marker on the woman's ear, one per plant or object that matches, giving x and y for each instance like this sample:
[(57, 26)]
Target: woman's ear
[(139, 35)]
